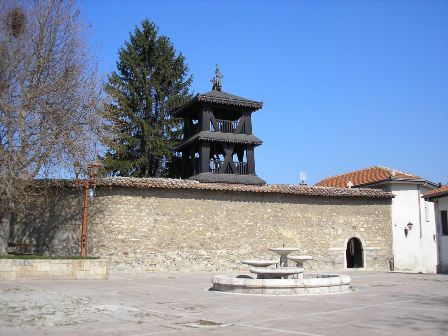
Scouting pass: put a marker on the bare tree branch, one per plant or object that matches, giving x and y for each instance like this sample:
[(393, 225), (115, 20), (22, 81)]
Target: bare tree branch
[(49, 98)]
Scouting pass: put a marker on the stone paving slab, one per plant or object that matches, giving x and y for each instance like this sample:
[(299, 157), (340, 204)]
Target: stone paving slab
[(180, 304)]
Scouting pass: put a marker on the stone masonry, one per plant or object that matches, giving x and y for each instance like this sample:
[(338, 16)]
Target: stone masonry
[(157, 229)]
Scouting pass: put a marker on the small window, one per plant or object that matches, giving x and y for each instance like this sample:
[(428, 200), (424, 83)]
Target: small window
[(444, 216)]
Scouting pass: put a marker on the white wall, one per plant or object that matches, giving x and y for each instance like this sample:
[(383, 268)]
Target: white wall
[(442, 204), (416, 252)]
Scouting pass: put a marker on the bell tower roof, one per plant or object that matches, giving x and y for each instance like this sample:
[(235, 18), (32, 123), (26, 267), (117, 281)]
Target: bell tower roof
[(218, 98)]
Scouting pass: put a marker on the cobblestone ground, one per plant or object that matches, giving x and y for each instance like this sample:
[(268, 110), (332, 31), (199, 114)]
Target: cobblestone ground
[(175, 303)]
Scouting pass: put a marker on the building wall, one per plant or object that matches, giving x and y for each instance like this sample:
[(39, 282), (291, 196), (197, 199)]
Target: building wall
[(169, 229), (442, 204), (416, 251)]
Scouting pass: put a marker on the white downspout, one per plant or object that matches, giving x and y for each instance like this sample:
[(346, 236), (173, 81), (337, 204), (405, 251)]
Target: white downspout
[(438, 235), (422, 261), (420, 213)]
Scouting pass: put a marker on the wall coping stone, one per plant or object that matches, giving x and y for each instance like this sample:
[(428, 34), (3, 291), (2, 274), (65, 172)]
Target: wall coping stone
[(166, 183)]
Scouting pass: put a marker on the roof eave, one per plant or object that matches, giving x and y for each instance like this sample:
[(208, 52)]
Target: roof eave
[(178, 111), (253, 105), (399, 181), (435, 196)]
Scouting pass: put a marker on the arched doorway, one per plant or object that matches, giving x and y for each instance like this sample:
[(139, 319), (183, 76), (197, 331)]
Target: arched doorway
[(354, 253)]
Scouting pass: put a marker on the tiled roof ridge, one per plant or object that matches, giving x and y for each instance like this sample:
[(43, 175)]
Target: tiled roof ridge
[(170, 183), (397, 171), (166, 183), (351, 172), (389, 170), (437, 192)]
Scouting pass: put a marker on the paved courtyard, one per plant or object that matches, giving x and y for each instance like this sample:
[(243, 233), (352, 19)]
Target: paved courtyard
[(180, 304)]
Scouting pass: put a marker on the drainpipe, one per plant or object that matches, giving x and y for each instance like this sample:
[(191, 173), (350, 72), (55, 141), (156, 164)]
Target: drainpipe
[(419, 213), (438, 236), (422, 262)]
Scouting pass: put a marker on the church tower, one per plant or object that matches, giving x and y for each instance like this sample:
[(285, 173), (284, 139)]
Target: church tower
[(218, 144)]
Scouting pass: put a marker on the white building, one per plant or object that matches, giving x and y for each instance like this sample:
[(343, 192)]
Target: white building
[(440, 199), (413, 219)]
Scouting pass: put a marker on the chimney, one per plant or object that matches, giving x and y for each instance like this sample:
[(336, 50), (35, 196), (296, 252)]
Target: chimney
[(302, 177)]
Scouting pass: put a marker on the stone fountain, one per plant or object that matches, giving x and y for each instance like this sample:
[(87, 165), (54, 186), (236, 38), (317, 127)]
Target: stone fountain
[(276, 277)]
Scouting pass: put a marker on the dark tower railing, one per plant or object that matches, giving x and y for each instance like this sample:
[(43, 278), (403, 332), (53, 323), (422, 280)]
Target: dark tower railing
[(241, 167), (226, 126)]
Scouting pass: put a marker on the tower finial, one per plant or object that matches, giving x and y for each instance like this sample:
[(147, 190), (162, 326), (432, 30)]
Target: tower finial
[(217, 80)]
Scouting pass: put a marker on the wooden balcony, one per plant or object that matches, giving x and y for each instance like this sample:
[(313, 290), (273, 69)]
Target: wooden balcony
[(226, 126), (241, 167), (215, 165)]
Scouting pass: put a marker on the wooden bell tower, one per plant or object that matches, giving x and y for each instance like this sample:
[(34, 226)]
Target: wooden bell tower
[(218, 144)]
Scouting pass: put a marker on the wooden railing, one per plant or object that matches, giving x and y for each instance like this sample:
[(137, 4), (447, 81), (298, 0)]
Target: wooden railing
[(196, 168), (241, 167), (226, 126)]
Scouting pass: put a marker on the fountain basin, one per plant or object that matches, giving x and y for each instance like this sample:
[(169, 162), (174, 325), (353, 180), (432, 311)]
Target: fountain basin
[(283, 251), (299, 258), (259, 263), (276, 273), (311, 284)]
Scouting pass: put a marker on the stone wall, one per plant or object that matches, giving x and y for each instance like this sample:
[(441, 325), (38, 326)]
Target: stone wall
[(183, 230), (51, 225)]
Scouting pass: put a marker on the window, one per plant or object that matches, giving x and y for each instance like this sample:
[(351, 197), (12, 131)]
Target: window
[(444, 216)]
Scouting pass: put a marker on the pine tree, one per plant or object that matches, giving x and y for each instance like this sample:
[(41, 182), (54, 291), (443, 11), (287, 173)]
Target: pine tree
[(150, 81)]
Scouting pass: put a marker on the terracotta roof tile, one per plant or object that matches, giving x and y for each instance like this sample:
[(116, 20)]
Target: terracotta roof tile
[(162, 183), (367, 176), (436, 193)]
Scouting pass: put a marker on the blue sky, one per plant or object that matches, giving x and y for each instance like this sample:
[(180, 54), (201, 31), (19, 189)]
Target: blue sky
[(345, 84)]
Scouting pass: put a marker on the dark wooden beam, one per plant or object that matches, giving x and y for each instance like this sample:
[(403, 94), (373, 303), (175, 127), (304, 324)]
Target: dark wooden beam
[(184, 164), (213, 121), (250, 160), (248, 123), (241, 123), (240, 153), (204, 119), (205, 157), (228, 159)]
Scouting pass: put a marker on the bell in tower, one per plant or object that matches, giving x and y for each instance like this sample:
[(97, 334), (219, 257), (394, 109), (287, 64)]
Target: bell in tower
[(218, 144)]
